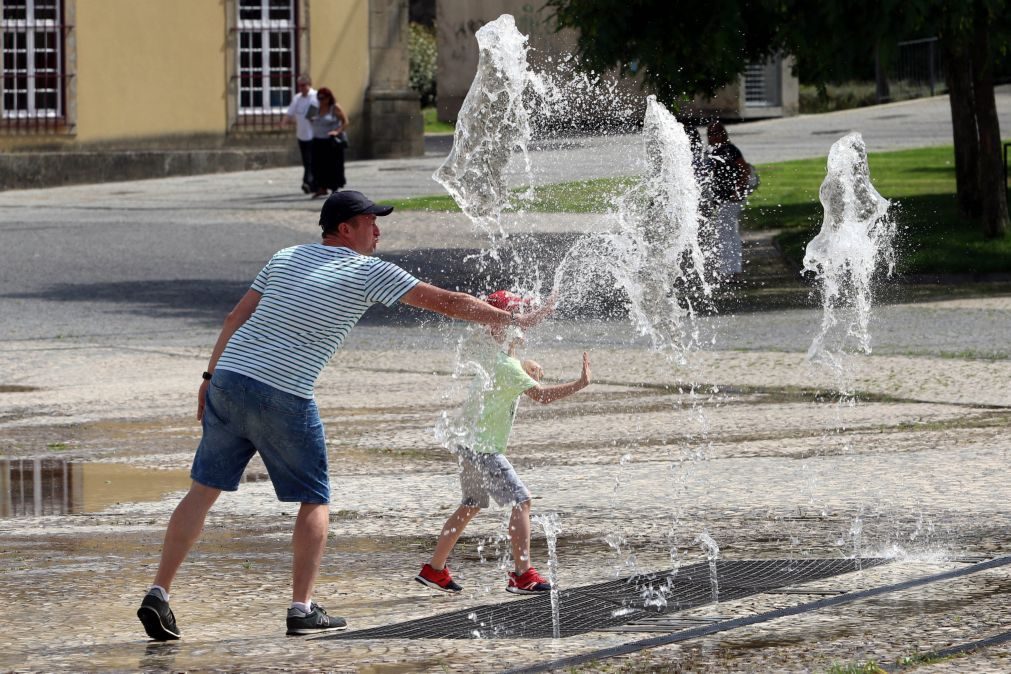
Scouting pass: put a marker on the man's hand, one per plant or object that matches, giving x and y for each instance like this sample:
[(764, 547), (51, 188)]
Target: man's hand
[(584, 379), (532, 318), (201, 398), (470, 308)]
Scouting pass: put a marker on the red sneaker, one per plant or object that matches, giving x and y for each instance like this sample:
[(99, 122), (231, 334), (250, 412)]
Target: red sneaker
[(437, 580), (530, 582)]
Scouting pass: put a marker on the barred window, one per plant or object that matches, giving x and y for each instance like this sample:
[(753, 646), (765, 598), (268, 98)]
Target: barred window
[(756, 86), (32, 79), (266, 57)]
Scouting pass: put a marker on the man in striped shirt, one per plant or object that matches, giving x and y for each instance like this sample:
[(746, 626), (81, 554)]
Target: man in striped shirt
[(257, 393)]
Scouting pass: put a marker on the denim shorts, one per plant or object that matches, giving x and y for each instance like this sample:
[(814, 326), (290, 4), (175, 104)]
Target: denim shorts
[(489, 476), (243, 416)]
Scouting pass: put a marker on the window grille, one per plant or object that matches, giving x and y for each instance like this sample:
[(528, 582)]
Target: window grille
[(267, 63), (33, 96), (756, 93)]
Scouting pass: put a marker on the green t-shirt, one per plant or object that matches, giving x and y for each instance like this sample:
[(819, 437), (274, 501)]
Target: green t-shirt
[(499, 404)]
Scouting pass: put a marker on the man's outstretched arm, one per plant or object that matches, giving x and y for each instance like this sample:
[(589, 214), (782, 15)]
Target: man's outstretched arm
[(469, 308)]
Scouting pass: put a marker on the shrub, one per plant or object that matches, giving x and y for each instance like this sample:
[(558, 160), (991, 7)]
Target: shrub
[(857, 94), (423, 50)]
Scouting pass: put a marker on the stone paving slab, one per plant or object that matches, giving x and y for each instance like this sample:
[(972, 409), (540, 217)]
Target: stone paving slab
[(156, 380), (100, 356), (764, 465)]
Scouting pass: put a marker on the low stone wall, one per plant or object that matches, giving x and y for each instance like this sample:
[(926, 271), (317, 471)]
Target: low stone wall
[(23, 170)]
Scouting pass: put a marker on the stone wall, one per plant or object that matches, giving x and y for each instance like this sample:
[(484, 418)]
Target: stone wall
[(24, 170), (392, 122)]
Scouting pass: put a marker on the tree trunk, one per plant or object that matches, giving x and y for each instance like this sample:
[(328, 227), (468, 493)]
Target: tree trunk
[(992, 185), (958, 76)]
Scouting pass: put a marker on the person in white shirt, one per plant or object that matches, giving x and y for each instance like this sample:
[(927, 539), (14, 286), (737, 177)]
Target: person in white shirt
[(300, 104)]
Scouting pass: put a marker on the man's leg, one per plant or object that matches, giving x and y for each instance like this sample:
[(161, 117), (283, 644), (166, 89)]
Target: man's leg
[(451, 532), (309, 542), (519, 536), (183, 531), (305, 149)]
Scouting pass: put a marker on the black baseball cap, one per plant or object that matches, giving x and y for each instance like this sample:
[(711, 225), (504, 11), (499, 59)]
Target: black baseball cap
[(342, 206)]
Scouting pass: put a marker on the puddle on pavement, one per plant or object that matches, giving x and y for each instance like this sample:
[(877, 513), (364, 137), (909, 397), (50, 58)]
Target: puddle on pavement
[(37, 487)]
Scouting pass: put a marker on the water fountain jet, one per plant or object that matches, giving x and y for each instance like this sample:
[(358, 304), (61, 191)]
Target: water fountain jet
[(854, 243)]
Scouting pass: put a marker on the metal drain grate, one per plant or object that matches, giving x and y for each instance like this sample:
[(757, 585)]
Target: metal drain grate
[(616, 602)]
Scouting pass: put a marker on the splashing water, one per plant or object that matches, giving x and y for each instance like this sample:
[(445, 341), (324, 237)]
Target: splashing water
[(712, 550), (492, 123), (475, 633), (854, 242), (856, 536), (552, 527), (622, 462), (472, 379), (654, 255), (651, 254)]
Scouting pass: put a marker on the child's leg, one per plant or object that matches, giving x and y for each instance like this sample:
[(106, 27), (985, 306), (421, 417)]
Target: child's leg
[(450, 534), (519, 536)]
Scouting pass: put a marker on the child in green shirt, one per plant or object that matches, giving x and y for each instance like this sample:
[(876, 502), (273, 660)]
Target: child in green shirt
[(485, 472)]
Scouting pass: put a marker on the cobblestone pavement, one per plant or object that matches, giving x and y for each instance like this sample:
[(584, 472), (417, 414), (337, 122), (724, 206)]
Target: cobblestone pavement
[(104, 339), (748, 445)]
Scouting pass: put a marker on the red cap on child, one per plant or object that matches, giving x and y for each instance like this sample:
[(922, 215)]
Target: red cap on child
[(507, 301)]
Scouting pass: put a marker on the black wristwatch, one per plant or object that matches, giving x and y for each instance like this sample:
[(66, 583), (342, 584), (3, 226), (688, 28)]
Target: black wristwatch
[(207, 375)]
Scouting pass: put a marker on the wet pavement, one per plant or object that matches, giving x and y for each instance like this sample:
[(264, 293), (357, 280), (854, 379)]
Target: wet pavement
[(103, 342), (757, 453)]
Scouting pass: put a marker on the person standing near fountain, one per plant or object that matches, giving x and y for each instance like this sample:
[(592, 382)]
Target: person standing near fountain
[(485, 473), (730, 176), (257, 393), (297, 111)]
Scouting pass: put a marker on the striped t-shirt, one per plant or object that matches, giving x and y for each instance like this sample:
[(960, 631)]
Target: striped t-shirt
[(312, 295)]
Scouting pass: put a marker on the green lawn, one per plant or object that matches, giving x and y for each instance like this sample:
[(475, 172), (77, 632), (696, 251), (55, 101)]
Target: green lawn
[(921, 185), (432, 123), (581, 196)]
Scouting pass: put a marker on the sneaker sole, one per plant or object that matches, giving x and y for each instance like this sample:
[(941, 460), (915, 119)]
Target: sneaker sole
[(516, 590), (153, 625), (434, 586), (314, 630)]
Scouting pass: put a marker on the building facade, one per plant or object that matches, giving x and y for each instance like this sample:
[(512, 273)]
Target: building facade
[(107, 89)]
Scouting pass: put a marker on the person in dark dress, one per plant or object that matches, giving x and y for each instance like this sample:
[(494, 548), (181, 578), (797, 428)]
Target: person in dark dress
[(329, 139)]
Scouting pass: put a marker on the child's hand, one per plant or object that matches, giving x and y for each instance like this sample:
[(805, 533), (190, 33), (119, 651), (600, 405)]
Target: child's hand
[(585, 378)]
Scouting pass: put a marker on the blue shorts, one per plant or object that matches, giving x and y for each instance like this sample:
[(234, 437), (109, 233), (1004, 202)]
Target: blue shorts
[(243, 416)]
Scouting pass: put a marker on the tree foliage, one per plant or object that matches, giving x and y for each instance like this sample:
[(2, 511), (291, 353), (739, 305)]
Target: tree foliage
[(681, 49), (686, 49), (422, 50)]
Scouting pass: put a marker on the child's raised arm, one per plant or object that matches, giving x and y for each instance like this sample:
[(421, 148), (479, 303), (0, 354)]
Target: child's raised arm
[(549, 394)]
